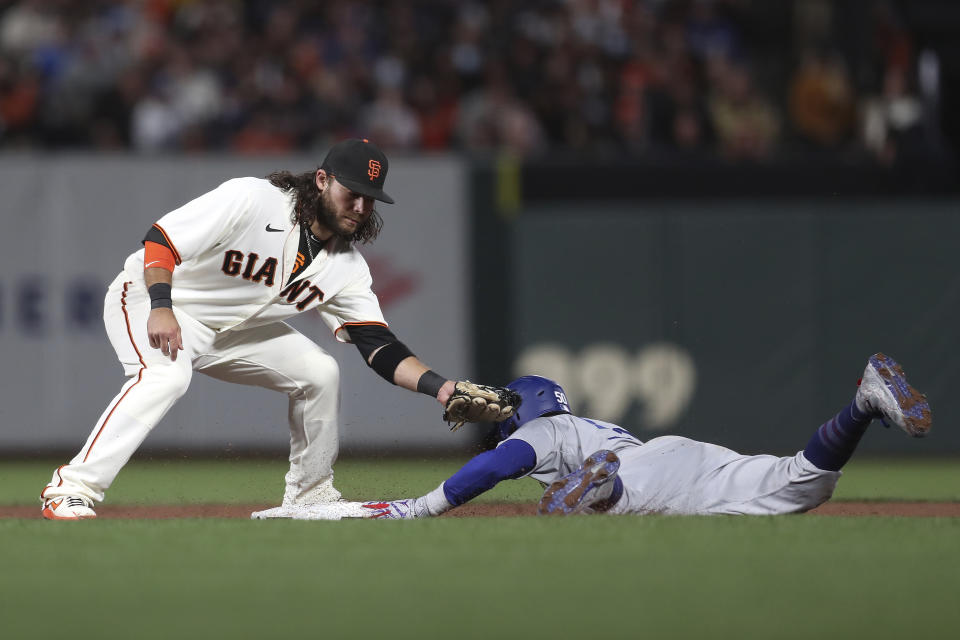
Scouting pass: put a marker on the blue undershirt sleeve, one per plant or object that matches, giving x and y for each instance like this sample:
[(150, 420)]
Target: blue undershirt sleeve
[(511, 459)]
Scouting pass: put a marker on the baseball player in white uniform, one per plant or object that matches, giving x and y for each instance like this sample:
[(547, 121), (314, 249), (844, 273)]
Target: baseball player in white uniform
[(590, 466), (209, 293)]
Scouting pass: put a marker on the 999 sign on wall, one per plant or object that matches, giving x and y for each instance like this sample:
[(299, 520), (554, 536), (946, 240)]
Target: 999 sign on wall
[(605, 379)]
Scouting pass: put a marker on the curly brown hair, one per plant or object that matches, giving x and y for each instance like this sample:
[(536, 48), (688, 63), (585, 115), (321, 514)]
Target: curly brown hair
[(309, 204)]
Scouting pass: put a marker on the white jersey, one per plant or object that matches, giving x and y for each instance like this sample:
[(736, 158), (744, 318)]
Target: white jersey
[(236, 248), (676, 475)]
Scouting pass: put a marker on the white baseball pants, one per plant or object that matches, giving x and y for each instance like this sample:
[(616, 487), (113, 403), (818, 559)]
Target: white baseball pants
[(274, 356)]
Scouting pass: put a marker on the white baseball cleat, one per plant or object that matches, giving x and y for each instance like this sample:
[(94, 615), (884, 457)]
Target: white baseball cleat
[(885, 393), (320, 494), (68, 508)]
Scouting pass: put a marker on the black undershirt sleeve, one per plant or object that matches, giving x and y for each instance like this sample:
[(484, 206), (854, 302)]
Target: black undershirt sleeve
[(154, 235), (386, 360), (370, 337)]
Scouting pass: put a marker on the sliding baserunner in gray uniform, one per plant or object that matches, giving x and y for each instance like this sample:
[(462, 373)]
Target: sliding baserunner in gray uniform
[(590, 466)]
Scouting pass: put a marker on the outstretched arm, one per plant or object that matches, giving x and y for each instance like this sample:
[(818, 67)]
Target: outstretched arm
[(462, 401), (409, 374), (394, 362), (511, 459)]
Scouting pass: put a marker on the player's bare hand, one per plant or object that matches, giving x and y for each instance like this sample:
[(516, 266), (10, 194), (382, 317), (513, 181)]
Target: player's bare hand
[(446, 391), (164, 332)]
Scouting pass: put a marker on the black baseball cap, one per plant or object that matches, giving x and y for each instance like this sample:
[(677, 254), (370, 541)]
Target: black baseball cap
[(360, 166)]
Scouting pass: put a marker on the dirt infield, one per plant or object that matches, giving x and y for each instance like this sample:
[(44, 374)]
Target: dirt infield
[(480, 510)]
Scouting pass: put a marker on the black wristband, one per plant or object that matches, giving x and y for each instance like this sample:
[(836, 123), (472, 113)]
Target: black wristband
[(430, 383), (160, 295)]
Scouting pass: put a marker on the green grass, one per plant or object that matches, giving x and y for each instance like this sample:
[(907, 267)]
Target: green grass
[(892, 479), (620, 577), (261, 481), (250, 481), (519, 577)]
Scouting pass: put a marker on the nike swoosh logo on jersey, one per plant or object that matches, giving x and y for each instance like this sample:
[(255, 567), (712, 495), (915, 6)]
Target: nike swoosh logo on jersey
[(269, 228)]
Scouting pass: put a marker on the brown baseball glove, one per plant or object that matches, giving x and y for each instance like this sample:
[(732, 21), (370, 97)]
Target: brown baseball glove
[(479, 403)]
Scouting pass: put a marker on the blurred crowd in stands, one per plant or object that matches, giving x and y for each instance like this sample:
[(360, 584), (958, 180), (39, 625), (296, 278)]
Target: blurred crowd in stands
[(740, 79)]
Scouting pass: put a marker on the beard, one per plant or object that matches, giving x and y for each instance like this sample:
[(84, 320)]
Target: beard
[(325, 213), (327, 216)]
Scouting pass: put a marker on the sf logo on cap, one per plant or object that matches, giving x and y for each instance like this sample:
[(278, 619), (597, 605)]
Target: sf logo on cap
[(374, 169)]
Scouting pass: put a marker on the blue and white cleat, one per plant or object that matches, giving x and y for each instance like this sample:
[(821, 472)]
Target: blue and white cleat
[(589, 488), (884, 391)]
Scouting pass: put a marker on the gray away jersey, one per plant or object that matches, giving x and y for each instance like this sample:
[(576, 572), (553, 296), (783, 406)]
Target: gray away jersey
[(676, 475)]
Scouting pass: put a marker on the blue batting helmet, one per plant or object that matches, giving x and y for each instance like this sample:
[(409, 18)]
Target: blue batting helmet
[(539, 396)]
